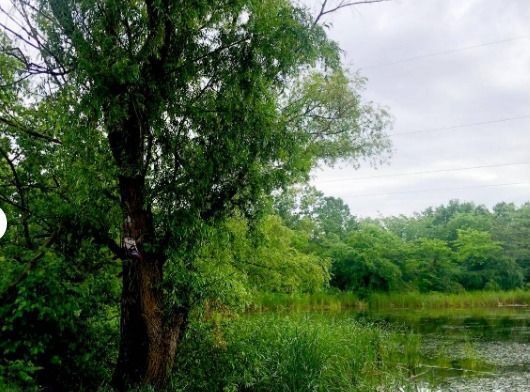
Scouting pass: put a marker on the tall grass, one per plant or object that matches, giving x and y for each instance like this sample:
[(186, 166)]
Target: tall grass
[(347, 300), (274, 352), (303, 302), (472, 299)]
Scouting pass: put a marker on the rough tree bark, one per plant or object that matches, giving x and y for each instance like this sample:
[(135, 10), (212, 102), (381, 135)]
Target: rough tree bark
[(149, 336), (148, 339)]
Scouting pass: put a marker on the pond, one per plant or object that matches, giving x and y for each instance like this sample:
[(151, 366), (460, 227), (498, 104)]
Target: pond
[(467, 349)]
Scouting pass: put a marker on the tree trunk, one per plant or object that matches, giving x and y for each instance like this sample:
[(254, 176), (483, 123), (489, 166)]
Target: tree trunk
[(148, 341), (148, 337), (148, 334)]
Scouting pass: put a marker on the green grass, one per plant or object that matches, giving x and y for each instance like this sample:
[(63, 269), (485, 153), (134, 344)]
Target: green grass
[(347, 300), (295, 352), (303, 302), (472, 299)]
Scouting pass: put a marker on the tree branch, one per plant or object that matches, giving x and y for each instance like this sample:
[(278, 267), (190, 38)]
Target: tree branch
[(343, 4), (30, 132), (22, 195)]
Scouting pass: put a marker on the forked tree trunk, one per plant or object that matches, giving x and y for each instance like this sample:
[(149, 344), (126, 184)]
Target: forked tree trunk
[(148, 337)]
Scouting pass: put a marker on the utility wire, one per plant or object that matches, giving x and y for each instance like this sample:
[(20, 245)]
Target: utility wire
[(443, 52), (452, 127), (436, 189), (457, 169)]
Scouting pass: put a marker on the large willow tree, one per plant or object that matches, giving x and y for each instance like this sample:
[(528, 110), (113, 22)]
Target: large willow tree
[(134, 124)]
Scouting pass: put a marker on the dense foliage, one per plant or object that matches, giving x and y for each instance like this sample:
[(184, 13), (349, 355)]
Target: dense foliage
[(450, 248), (310, 242)]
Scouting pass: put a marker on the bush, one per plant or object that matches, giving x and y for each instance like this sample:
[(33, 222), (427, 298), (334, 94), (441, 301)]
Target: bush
[(59, 326)]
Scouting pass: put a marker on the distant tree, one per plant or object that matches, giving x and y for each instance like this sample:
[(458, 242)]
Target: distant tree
[(367, 261), (478, 219), (275, 264), (328, 215), (484, 262), (409, 228), (334, 218), (431, 266), (511, 226)]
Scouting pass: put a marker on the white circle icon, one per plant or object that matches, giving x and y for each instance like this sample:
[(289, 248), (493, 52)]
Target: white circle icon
[(3, 223)]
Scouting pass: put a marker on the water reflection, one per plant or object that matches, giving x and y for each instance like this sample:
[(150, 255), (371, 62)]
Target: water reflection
[(482, 324), (467, 349)]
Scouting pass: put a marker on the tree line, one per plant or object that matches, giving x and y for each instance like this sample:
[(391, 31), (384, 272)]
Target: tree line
[(449, 248), (309, 242)]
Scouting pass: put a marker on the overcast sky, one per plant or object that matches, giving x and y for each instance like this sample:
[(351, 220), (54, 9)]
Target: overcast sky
[(440, 64)]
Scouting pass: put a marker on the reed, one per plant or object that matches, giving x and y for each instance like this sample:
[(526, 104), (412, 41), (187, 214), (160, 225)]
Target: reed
[(334, 301), (471, 299), (295, 352)]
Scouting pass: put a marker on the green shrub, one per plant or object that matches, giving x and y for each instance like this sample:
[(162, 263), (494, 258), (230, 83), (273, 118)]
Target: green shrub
[(58, 327)]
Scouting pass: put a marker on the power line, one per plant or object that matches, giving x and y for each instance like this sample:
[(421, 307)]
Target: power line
[(457, 169), (452, 127), (437, 189), (443, 52)]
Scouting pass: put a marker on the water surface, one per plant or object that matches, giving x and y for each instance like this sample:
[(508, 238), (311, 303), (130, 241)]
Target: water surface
[(467, 349)]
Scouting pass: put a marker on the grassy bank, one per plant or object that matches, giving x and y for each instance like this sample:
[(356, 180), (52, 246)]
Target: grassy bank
[(301, 302), (472, 299), (296, 352), (347, 300)]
